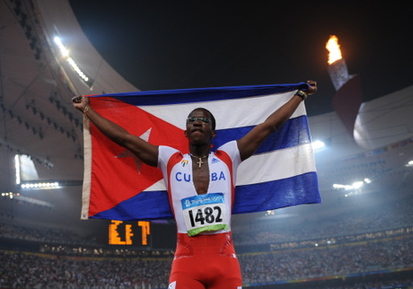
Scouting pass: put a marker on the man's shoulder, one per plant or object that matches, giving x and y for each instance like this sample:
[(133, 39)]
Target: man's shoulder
[(167, 148), (167, 151), (231, 149), (230, 145)]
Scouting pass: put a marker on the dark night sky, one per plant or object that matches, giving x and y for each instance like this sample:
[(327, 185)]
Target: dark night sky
[(188, 44)]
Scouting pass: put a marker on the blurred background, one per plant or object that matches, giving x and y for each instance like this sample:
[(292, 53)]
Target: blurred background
[(359, 236)]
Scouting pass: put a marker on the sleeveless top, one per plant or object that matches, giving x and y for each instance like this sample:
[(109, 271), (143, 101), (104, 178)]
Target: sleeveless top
[(209, 213)]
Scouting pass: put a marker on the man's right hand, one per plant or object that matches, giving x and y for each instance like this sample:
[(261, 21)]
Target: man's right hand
[(80, 102)]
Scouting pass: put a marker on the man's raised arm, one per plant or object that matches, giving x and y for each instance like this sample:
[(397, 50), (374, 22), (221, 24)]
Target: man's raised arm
[(249, 143), (145, 151)]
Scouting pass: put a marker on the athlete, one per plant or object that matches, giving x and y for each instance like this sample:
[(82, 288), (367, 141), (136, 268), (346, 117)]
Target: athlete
[(201, 190)]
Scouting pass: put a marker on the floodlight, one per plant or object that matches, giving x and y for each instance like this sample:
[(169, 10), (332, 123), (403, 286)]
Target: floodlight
[(357, 185), (63, 50), (41, 186), (17, 169), (66, 55), (318, 145), (367, 180)]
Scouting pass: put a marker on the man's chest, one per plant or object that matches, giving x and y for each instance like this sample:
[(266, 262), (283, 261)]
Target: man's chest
[(211, 177)]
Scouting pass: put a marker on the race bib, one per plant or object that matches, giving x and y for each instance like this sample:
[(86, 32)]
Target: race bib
[(204, 213)]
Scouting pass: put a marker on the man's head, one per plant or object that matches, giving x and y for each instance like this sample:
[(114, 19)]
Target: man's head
[(200, 126)]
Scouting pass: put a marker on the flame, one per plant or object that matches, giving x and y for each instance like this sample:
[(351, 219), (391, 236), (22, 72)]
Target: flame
[(334, 52)]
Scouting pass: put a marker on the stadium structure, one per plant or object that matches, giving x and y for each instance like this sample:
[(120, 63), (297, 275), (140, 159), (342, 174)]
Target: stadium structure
[(360, 236)]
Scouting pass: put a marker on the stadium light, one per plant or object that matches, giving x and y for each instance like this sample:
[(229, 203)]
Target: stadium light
[(41, 186), (17, 169), (63, 50), (354, 185), (270, 213), (354, 188), (9, 195), (66, 55), (357, 185), (367, 180), (318, 145), (340, 186), (19, 197), (409, 164), (77, 69)]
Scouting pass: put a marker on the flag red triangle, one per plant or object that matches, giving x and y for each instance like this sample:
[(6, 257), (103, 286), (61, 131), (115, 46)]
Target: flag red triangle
[(117, 175)]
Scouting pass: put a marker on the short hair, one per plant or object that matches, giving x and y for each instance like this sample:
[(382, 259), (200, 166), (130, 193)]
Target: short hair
[(213, 122)]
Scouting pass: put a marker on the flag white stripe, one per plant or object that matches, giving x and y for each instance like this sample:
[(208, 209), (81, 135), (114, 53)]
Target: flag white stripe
[(276, 165), (87, 169), (229, 113)]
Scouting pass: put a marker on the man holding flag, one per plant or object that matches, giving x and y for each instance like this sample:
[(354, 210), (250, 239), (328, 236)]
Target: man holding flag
[(201, 188)]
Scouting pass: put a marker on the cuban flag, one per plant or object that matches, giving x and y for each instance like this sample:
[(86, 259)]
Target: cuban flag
[(118, 186)]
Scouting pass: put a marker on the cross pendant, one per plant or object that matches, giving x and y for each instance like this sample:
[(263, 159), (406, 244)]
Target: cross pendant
[(199, 162)]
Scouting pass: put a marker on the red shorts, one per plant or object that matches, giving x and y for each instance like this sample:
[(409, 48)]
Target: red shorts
[(205, 261)]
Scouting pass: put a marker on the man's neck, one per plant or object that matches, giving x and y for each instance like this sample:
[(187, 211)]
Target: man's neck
[(200, 151)]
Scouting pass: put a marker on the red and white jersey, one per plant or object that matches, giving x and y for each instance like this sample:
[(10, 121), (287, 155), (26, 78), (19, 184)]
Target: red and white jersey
[(208, 213)]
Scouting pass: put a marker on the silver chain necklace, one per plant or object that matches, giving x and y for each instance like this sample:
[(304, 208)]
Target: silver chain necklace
[(199, 162)]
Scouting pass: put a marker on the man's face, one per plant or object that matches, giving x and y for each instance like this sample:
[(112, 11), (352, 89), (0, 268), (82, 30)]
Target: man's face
[(199, 127)]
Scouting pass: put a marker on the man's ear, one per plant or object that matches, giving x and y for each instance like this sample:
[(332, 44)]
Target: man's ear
[(186, 133)]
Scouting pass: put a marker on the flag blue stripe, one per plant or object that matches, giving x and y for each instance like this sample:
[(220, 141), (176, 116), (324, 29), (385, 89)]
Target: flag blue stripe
[(301, 189), (294, 132), (162, 97), (143, 206)]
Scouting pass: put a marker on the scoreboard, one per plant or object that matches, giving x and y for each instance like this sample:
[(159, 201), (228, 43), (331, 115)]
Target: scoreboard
[(129, 233)]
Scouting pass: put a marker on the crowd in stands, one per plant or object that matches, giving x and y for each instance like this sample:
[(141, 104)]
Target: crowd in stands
[(345, 259), (40, 270), (343, 223), (346, 244), (104, 251), (388, 284), (41, 234), (28, 270)]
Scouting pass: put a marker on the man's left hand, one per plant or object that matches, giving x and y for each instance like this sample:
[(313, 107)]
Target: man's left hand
[(312, 87)]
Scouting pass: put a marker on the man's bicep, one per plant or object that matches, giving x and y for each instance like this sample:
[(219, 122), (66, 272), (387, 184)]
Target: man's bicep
[(145, 151), (250, 142)]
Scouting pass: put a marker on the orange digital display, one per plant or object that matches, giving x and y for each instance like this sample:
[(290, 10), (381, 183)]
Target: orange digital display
[(127, 233), (145, 231)]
